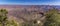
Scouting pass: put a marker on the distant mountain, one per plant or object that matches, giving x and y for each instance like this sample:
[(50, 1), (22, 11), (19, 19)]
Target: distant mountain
[(29, 6)]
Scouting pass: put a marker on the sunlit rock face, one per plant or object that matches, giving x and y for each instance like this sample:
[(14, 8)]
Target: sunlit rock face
[(38, 22)]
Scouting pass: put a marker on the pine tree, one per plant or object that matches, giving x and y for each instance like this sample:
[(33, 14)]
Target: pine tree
[(3, 16), (52, 18)]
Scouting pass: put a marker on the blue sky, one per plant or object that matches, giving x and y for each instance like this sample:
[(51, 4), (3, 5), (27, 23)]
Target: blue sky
[(30, 2)]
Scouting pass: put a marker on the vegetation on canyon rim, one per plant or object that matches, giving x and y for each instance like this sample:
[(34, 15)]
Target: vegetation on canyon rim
[(52, 19)]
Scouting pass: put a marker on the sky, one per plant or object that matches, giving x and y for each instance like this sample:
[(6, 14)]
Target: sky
[(30, 2)]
